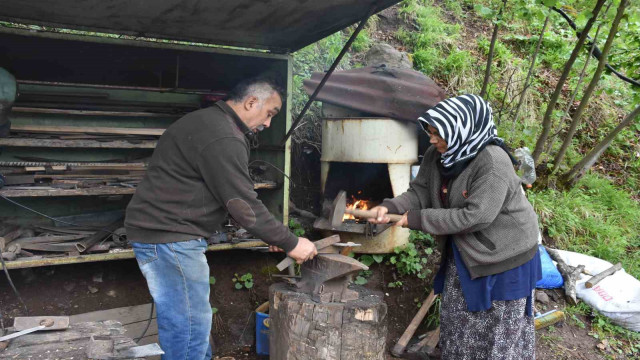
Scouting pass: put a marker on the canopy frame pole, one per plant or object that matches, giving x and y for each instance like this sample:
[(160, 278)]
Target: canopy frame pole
[(344, 50)]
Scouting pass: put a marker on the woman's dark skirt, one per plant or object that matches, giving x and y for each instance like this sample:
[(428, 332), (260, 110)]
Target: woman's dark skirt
[(503, 332)]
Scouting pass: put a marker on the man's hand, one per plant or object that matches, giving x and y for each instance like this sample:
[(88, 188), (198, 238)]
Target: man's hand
[(305, 250), (381, 215)]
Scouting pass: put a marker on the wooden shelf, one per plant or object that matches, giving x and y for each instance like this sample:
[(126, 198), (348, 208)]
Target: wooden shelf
[(113, 254), (94, 144), (93, 191)]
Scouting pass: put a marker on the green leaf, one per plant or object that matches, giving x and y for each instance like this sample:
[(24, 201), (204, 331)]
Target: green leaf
[(378, 258), (248, 284), (214, 310), (212, 280), (366, 260), (360, 280), (549, 3), (238, 286)]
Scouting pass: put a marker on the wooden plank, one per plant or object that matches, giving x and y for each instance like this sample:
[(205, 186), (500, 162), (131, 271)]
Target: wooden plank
[(87, 130), (153, 339), (33, 110), (102, 190), (92, 191), (88, 176), (19, 179), (135, 330), (125, 315), (93, 144)]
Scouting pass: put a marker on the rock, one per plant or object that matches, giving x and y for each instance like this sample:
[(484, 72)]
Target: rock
[(386, 54), (97, 277), (542, 297), (111, 293), (69, 286), (93, 289)]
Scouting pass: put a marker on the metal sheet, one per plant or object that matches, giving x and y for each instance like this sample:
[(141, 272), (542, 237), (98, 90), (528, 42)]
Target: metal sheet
[(369, 140), (279, 25), (402, 94), (382, 243)]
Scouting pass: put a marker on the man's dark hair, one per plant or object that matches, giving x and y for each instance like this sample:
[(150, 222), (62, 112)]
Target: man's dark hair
[(261, 87)]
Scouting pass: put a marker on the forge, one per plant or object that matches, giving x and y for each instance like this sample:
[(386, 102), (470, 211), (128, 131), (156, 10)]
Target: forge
[(370, 158)]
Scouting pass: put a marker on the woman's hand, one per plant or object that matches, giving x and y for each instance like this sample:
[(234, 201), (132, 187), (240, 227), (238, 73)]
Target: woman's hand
[(404, 222), (381, 215)]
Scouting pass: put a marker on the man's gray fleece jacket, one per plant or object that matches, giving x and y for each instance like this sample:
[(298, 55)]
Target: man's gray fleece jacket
[(491, 221), (198, 174)]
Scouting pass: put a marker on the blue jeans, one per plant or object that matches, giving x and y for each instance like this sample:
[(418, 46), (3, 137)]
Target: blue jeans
[(178, 278)]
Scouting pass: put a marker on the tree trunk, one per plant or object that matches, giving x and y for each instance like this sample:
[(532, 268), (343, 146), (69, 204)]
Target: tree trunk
[(494, 38), (301, 328), (530, 72), (577, 116), (558, 128), (579, 169), (546, 121)]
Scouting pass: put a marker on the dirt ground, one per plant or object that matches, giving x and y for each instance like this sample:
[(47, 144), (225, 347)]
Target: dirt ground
[(71, 289)]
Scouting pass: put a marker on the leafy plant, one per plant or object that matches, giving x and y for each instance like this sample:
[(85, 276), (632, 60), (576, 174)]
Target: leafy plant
[(368, 260), (409, 261), (212, 280), (296, 228), (363, 277), (244, 281), (395, 284)]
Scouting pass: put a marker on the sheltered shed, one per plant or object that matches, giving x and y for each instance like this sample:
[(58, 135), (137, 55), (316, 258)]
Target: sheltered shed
[(87, 88)]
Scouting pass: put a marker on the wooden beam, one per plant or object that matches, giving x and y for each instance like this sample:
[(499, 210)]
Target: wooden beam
[(80, 144), (33, 110), (27, 191), (86, 130)]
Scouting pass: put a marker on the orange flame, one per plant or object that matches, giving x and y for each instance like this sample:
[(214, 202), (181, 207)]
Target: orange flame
[(354, 203)]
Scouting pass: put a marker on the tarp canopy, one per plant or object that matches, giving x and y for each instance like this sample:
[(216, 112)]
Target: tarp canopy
[(402, 94), (278, 25)]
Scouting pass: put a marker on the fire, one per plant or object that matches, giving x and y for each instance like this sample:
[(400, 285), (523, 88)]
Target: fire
[(354, 203)]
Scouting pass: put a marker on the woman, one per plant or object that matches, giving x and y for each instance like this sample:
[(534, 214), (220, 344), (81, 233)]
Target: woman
[(468, 195)]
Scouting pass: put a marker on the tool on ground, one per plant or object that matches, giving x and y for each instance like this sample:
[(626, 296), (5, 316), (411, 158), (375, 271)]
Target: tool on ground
[(320, 244), (339, 208), (27, 325), (428, 343), (548, 318), (398, 349), (103, 347)]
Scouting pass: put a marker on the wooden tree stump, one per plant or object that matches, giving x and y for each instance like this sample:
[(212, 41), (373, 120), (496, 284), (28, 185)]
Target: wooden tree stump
[(301, 328)]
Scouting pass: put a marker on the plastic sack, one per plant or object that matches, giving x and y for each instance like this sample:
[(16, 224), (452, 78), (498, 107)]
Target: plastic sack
[(551, 277), (527, 166), (617, 296)]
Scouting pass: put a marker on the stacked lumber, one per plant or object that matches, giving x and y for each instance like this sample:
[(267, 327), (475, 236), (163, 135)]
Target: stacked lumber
[(100, 133), (36, 179)]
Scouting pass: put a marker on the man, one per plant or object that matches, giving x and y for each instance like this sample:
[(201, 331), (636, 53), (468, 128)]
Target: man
[(198, 174)]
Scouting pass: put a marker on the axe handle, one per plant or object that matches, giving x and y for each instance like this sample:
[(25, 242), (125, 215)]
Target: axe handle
[(398, 349), (366, 214)]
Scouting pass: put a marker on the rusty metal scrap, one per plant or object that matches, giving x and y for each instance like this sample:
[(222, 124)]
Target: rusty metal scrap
[(402, 94)]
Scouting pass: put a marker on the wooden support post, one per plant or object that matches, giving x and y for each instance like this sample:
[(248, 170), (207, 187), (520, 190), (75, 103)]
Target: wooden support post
[(304, 329)]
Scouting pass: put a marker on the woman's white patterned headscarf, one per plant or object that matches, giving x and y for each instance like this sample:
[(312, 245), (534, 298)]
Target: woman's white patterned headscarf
[(466, 123)]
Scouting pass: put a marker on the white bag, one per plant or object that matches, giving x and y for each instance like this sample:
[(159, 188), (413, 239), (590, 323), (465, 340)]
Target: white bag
[(617, 296)]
